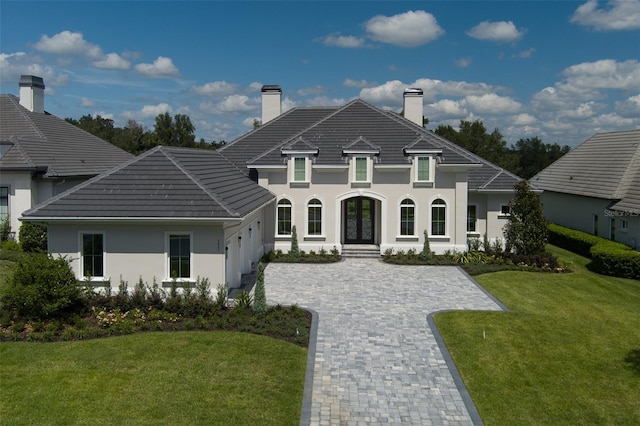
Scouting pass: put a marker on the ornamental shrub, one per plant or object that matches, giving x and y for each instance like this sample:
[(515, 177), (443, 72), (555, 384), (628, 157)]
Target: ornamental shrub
[(33, 237), (526, 230), (42, 287), (259, 296), (295, 250)]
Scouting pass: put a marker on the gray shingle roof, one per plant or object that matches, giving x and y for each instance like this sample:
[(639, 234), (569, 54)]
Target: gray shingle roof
[(607, 165), (46, 142), (165, 182), (357, 124)]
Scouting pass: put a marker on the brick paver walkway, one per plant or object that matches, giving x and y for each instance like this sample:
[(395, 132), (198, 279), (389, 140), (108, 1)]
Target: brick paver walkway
[(377, 361)]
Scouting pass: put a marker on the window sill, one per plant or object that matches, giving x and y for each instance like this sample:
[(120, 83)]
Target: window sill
[(423, 184), (180, 283), (361, 184), (439, 238), (283, 237), (95, 281), (406, 238), (473, 234), (315, 238), (298, 184), (503, 216)]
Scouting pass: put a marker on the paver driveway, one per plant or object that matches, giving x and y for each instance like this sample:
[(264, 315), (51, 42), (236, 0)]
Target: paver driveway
[(377, 360)]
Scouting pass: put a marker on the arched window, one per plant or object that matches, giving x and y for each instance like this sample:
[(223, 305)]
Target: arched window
[(438, 217), (314, 217), (407, 217), (284, 217)]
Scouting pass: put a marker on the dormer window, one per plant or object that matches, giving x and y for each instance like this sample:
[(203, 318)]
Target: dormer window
[(423, 168), (361, 169), (299, 169)]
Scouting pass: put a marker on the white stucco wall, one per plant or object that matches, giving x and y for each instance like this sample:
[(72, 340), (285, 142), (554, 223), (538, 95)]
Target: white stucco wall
[(20, 195)]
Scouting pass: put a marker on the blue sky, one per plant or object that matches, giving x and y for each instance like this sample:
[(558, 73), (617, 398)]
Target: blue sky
[(558, 70)]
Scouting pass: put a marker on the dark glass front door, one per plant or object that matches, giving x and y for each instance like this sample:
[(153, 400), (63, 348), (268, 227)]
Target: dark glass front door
[(359, 220)]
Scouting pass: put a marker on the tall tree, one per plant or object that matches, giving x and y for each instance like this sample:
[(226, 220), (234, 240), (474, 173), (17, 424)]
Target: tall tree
[(526, 231), (534, 155), (176, 131)]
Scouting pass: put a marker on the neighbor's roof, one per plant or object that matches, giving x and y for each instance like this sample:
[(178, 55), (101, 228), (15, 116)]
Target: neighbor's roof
[(44, 142), (607, 165), (357, 125), (165, 183)]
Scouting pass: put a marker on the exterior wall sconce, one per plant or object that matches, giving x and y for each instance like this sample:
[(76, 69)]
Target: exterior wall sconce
[(226, 253), (239, 241), (258, 225), (250, 232)]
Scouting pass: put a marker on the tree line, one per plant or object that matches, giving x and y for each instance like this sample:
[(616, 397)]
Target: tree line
[(134, 138), (525, 158)]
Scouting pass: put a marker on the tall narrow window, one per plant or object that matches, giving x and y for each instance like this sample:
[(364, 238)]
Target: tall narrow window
[(407, 217), (595, 225), (361, 169), (314, 224), (438, 217), (93, 255), (4, 203), (471, 218), (284, 217), (179, 256), (299, 169), (422, 169)]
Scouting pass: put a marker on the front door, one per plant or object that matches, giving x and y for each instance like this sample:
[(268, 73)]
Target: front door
[(359, 220)]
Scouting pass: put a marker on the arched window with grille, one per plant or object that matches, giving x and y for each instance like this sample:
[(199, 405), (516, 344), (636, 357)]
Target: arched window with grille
[(284, 217), (407, 217), (314, 217), (438, 217)]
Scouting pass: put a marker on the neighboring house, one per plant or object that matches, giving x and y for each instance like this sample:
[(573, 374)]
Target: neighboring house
[(42, 155), (596, 187), (344, 176), (357, 174), (170, 213)]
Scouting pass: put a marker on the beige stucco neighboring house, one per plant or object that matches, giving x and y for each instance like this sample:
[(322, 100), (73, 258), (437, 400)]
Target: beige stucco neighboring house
[(42, 155), (595, 188), (359, 175)]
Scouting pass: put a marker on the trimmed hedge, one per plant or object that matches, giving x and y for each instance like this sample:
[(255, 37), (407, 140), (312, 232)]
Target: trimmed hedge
[(607, 257)]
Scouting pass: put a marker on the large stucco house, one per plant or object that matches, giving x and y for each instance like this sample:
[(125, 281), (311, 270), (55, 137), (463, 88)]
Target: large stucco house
[(348, 176), (42, 155), (595, 188)]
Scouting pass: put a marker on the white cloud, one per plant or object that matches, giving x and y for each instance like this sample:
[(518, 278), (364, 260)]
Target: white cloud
[(215, 88), (67, 43), (581, 112), (526, 53), (13, 65), (230, 104), (313, 90), (87, 103), (501, 31), (162, 67), (147, 112), (357, 83), (491, 104), (445, 109), (629, 107), (326, 101), (389, 93), (408, 29), (524, 119), (605, 74), (463, 62), (343, 41), (112, 61), (619, 15)]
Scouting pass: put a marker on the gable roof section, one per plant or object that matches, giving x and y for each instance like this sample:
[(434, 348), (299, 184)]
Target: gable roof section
[(48, 143), (164, 183), (607, 165), (332, 130)]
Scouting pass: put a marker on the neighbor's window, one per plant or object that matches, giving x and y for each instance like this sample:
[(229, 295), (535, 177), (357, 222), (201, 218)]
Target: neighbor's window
[(179, 256), (407, 217), (314, 220), (624, 224), (93, 255), (299, 169), (284, 217), (4, 203), (361, 171), (422, 169), (438, 217), (505, 209), (471, 218)]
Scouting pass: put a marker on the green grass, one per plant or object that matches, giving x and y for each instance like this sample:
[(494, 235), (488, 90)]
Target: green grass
[(153, 378), (562, 355)]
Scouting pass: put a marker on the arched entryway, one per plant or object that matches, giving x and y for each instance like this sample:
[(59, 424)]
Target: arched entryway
[(359, 223)]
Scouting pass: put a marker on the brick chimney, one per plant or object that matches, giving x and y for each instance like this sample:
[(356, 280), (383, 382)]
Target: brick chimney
[(413, 105), (271, 102), (32, 93)]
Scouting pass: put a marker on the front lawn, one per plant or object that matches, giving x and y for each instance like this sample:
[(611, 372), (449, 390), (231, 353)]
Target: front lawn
[(566, 353), (153, 378)]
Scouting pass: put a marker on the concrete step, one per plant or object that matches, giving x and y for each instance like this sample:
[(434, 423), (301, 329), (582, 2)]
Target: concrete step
[(371, 252)]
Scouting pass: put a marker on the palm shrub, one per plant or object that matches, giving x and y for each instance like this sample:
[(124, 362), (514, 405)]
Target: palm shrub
[(42, 287), (259, 296), (526, 230), (426, 248)]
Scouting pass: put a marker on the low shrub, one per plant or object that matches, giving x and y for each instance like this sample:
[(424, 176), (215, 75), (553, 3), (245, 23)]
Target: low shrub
[(607, 257), (33, 237), (42, 287)]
